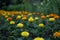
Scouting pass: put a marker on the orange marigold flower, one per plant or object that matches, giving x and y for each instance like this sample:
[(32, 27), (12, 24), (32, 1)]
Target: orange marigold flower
[(56, 34), (11, 13), (51, 15), (24, 18), (24, 12), (16, 13), (9, 18), (56, 17), (43, 17)]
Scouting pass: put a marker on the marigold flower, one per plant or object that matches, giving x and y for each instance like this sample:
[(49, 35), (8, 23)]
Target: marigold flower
[(25, 34), (51, 15), (18, 17), (6, 16), (20, 25), (36, 18), (52, 19), (38, 38), (16, 12), (24, 12), (29, 14), (41, 25), (56, 34), (11, 13), (31, 19), (12, 22), (47, 16), (43, 17), (56, 17), (9, 18), (24, 17)]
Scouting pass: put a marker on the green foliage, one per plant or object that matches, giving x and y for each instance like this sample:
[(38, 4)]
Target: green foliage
[(46, 6), (15, 8)]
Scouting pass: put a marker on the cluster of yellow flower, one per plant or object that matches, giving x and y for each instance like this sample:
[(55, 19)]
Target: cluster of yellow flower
[(28, 16)]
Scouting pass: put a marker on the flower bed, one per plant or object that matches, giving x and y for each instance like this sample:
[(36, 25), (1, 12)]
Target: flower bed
[(29, 26)]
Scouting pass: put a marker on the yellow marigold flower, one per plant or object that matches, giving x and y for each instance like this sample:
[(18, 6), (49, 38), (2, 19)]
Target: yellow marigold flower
[(51, 19), (31, 19), (38, 38), (6, 16), (19, 13), (20, 25), (56, 34), (29, 14), (25, 34), (41, 25), (18, 17), (36, 18), (8, 13), (12, 22), (47, 16)]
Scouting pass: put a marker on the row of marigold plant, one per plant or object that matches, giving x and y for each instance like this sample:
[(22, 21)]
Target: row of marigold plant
[(24, 20)]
